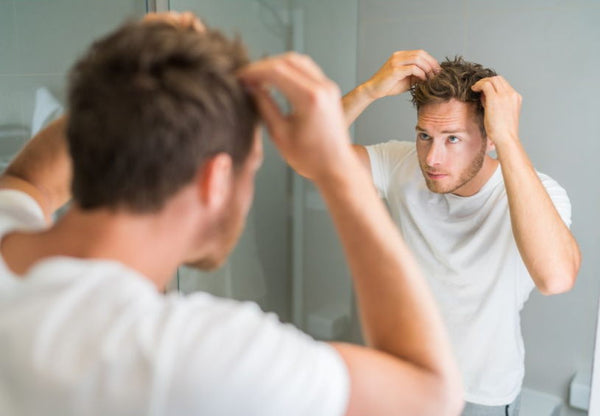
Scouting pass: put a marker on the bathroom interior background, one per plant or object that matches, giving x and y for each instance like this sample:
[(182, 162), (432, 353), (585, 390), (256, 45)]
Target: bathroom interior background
[(289, 259)]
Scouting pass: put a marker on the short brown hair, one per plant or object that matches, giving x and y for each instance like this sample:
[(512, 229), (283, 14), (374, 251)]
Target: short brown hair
[(454, 81), (148, 104)]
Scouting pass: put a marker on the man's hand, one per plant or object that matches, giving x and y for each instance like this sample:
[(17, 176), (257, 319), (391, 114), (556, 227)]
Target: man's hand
[(184, 20), (502, 106), (400, 72), (545, 243), (313, 137), (396, 76)]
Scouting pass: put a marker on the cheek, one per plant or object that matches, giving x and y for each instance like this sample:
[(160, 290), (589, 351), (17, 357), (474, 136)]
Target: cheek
[(421, 150), (475, 148)]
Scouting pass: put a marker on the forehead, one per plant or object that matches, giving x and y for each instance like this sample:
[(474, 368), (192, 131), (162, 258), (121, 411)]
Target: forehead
[(452, 112)]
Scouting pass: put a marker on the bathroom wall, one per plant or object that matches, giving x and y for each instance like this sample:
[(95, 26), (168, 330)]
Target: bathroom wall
[(329, 36), (258, 269), (39, 41), (548, 50), (327, 31)]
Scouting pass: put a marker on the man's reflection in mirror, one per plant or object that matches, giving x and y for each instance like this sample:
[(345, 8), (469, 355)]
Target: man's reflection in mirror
[(486, 230)]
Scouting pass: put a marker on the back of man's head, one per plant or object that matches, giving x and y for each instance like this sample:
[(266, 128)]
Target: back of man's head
[(454, 81), (149, 103)]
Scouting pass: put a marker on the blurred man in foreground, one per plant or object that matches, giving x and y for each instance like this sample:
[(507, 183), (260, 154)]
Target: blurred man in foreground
[(162, 134)]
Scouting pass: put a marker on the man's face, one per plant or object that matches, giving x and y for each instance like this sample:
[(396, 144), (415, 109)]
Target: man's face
[(226, 229), (450, 147)]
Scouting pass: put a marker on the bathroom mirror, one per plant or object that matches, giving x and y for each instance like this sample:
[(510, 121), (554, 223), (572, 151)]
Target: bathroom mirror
[(289, 259), (546, 50), (39, 41)]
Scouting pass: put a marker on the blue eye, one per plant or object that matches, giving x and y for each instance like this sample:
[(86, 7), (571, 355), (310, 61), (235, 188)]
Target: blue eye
[(453, 139), (423, 136)]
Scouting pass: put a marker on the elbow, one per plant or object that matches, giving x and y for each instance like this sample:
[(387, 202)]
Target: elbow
[(547, 290), (559, 282), (449, 394), (454, 403), (451, 398), (442, 394), (561, 279)]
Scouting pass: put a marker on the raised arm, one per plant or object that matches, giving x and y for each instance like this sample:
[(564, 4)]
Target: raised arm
[(396, 76), (545, 243), (409, 368), (43, 169)]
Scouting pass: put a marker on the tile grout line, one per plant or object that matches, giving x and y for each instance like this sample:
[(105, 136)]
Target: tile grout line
[(17, 45)]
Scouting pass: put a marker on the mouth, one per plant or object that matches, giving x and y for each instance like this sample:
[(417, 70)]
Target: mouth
[(435, 175)]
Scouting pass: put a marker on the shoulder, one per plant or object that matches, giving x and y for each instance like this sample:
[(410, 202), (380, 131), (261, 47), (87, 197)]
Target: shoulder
[(393, 147), (555, 190), (547, 181), (271, 359), (393, 152), (195, 353), (558, 195)]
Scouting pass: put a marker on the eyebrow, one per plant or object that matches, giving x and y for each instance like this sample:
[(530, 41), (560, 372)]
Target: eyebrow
[(419, 128)]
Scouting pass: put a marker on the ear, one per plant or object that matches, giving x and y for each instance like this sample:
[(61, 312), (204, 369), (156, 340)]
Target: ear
[(215, 181)]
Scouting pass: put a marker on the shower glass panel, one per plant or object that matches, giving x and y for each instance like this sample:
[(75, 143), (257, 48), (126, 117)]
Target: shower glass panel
[(39, 41), (259, 267)]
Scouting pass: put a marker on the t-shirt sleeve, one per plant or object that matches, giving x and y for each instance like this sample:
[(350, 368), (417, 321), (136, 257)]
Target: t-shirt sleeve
[(559, 197), (561, 202), (19, 211), (233, 359), (384, 157)]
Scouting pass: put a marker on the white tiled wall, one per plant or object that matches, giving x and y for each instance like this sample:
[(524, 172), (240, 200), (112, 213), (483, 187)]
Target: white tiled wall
[(330, 35), (40, 40)]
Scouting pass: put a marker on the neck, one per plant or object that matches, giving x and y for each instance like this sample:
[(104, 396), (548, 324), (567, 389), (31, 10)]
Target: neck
[(141, 242), (152, 244)]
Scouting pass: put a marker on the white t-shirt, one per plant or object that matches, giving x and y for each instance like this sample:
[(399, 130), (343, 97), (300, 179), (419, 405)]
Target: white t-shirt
[(467, 251), (81, 337)]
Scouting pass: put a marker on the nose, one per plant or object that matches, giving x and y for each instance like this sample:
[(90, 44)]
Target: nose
[(435, 154)]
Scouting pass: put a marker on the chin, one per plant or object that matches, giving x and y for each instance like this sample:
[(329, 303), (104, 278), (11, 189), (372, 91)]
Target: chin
[(436, 189), (206, 264)]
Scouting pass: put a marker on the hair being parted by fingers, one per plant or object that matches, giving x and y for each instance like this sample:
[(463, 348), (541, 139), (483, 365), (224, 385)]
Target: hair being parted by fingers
[(148, 105), (454, 81)]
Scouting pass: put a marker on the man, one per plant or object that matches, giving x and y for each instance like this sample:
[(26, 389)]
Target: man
[(485, 230), (164, 146)]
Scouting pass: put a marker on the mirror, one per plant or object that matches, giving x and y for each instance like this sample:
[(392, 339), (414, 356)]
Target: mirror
[(39, 41), (289, 260), (535, 45), (521, 40)]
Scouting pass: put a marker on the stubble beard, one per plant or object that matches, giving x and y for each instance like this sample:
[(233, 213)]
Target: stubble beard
[(226, 231), (466, 175)]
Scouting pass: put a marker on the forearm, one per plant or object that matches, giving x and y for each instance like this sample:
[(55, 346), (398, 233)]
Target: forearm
[(395, 77), (355, 102), (397, 310), (43, 168), (545, 243)]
